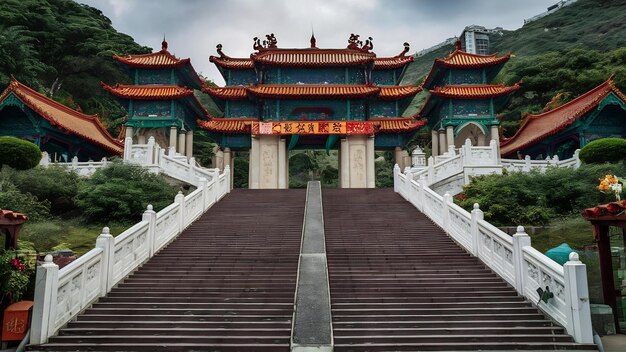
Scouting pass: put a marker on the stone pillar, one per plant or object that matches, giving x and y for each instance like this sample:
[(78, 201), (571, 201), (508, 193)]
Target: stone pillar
[(219, 159), (189, 144), (129, 132), (173, 135), (398, 158), (482, 140), (228, 156), (268, 162), (443, 145), (370, 156), (450, 136), (339, 168), (435, 142), (141, 139), (181, 143), (495, 135), (253, 169), (358, 161), (344, 172), (282, 164)]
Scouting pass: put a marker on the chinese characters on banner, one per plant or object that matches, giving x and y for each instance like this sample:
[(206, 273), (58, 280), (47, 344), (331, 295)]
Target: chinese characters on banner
[(313, 127)]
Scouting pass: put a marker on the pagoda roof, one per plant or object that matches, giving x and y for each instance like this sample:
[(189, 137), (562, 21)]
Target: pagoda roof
[(398, 92), (398, 124), (87, 127), (313, 57), (312, 91), (474, 91), (538, 127), (12, 216), (385, 63), (463, 60), (148, 92), (228, 125), (232, 63), (227, 93), (162, 59)]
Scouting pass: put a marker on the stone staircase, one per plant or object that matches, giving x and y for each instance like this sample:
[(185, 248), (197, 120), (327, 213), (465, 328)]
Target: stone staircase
[(398, 283), (227, 283)]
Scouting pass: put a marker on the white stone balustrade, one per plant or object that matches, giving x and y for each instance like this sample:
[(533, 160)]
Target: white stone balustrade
[(62, 294), (512, 258), (527, 165)]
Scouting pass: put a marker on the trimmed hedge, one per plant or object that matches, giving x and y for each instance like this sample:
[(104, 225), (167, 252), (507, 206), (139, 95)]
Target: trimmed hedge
[(18, 154), (605, 150)]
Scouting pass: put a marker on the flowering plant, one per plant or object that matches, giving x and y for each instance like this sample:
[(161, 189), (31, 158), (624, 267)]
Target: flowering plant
[(611, 184), (14, 276)]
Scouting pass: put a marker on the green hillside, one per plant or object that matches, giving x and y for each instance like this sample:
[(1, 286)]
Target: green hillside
[(570, 52), (64, 49)]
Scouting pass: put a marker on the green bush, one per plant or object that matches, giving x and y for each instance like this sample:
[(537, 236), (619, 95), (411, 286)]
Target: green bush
[(43, 235), (535, 198), (12, 199), (121, 192), (605, 150), (44, 183), (19, 154)]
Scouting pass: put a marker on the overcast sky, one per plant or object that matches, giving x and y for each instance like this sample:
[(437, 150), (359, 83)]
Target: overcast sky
[(194, 27)]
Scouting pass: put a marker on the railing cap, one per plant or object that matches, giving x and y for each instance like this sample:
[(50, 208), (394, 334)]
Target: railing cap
[(476, 206), (574, 257), (149, 207), (520, 229)]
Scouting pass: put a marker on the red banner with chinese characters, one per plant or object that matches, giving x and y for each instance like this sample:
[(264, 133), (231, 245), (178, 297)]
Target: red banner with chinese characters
[(313, 127)]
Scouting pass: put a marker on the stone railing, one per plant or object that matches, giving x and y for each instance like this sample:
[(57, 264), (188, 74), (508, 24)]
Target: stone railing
[(527, 165), (83, 168), (512, 258), (62, 294)]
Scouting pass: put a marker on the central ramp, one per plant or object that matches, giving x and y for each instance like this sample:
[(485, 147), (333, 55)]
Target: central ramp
[(227, 283), (399, 283)]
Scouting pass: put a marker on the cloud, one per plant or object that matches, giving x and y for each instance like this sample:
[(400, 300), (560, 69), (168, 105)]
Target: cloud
[(194, 27)]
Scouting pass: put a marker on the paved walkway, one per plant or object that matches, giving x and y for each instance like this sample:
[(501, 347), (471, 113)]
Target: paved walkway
[(614, 343)]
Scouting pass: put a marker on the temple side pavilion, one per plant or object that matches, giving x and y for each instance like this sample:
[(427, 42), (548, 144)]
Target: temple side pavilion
[(599, 113), (62, 132), (161, 101), (462, 104), (283, 99)]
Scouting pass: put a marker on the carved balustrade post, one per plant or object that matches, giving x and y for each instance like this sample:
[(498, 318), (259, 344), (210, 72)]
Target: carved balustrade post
[(229, 185), (203, 185), (180, 199), (520, 240), (477, 215), (107, 242), (445, 216), (46, 285), (577, 300), (396, 178), (431, 171), (150, 216)]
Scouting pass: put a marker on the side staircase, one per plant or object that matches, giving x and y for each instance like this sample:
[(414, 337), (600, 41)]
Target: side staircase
[(397, 283)]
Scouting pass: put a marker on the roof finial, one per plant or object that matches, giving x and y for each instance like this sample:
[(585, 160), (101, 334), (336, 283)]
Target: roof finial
[(313, 38), (164, 44), (458, 44)]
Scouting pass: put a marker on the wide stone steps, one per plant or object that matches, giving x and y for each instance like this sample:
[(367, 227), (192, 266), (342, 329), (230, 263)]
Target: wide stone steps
[(398, 283), (226, 283)]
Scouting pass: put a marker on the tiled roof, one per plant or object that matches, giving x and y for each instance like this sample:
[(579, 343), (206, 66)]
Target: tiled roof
[(400, 124), (87, 127), (538, 127), (160, 59), (398, 92), (231, 93), (610, 209), (313, 57), (228, 125), (12, 216), (391, 62), (313, 91), (148, 92), (232, 63), (474, 91), (460, 58)]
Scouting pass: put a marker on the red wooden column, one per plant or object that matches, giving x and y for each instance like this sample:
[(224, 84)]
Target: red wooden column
[(601, 233)]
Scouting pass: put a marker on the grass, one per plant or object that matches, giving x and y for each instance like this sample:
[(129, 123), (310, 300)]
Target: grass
[(71, 234)]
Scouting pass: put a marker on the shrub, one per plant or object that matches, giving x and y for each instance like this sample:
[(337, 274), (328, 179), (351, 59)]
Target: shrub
[(12, 199), (605, 150), (14, 276), (43, 235), (43, 183), (19, 154), (121, 192)]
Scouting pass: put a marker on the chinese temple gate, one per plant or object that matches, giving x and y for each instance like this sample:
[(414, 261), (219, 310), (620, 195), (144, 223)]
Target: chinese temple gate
[(283, 99), (161, 101), (599, 113), (462, 103)]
